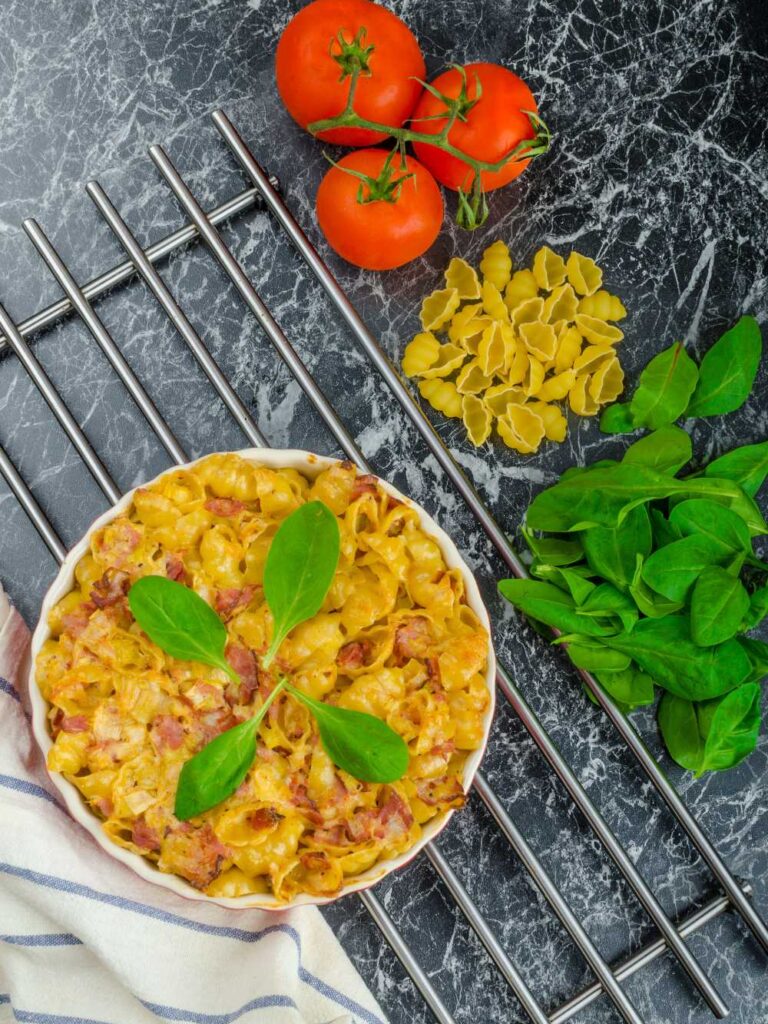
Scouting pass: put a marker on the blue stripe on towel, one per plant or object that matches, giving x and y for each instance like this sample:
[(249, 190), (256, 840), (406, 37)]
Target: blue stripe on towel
[(10, 689), (30, 789), (195, 1017), (238, 934), (32, 1017), (47, 939)]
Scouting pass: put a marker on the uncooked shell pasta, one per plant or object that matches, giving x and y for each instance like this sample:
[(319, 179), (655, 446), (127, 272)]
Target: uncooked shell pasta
[(517, 343)]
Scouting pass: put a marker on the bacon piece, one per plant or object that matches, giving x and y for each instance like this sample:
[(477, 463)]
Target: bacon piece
[(73, 723), (301, 799), (354, 654), (336, 835), (195, 854), (315, 860), (243, 662), (167, 733), (120, 542), (174, 568), (111, 588), (145, 836), (264, 817), (231, 599), (395, 817), (77, 622), (445, 790), (433, 668), (214, 723), (392, 502), (105, 806), (224, 507), (412, 639), (364, 484)]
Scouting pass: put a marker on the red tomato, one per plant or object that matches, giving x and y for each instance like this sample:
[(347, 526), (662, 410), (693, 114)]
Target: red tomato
[(379, 234), (493, 126), (311, 81)]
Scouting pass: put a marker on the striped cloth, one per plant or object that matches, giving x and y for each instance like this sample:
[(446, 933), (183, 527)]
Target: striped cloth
[(83, 940)]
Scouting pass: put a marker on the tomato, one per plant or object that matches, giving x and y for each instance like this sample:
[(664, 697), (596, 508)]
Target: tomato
[(494, 125), (312, 81), (379, 234)]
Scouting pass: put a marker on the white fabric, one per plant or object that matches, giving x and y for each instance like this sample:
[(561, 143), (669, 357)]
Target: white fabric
[(83, 940)]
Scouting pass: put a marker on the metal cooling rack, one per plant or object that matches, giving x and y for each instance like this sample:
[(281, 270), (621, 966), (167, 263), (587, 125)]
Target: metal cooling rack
[(203, 226)]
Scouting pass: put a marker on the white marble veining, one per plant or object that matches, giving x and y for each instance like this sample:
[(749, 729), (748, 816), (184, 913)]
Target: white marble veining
[(659, 170)]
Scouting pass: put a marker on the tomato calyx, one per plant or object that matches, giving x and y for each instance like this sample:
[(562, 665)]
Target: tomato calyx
[(384, 187), (352, 56), (472, 210), (456, 107)]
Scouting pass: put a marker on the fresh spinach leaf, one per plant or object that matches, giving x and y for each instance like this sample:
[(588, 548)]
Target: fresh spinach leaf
[(757, 653), (605, 496), (704, 518), (666, 450), (597, 657), (605, 601), (665, 388), (746, 466), (730, 726), (672, 570), (757, 611), (718, 604), (665, 650), (711, 735), (553, 550), (179, 621), (617, 419), (574, 579), (612, 552), (723, 492), (648, 601), (664, 532), (220, 767), (631, 688), (550, 605), (679, 728), (728, 370), (358, 743), (301, 563)]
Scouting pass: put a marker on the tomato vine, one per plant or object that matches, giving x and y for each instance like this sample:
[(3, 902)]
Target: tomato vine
[(353, 59)]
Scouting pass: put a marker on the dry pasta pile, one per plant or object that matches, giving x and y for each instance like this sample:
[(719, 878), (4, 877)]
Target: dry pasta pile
[(517, 344)]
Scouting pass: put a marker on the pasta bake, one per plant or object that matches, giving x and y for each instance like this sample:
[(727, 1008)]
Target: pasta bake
[(395, 638)]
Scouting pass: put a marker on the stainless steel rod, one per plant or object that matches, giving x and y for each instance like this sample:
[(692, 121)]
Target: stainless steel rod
[(103, 339), (175, 313), (27, 501), (236, 274), (612, 845), (555, 899), (644, 956), (43, 383), (412, 966), (251, 297), (247, 200), (511, 974), (500, 540)]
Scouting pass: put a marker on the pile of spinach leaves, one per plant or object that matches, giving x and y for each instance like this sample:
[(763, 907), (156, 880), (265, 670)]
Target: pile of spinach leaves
[(650, 577)]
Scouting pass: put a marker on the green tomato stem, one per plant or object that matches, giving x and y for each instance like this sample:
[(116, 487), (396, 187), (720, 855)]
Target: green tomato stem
[(525, 150)]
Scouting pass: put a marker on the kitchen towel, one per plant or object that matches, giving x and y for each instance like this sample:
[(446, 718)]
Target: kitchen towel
[(83, 940)]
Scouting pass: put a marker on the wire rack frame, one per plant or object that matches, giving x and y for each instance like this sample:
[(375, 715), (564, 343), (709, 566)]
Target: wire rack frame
[(203, 226)]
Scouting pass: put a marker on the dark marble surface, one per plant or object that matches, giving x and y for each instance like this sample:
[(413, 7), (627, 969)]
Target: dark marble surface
[(659, 171)]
